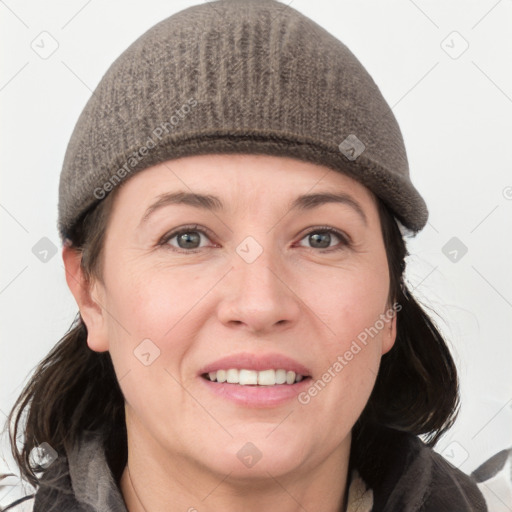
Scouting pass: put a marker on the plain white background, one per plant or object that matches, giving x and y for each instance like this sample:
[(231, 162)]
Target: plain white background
[(454, 107)]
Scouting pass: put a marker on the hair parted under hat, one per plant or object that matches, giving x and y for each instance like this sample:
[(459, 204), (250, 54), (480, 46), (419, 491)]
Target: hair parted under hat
[(236, 76)]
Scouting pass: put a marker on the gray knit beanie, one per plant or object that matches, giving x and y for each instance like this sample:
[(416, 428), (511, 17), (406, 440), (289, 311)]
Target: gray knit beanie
[(236, 76)]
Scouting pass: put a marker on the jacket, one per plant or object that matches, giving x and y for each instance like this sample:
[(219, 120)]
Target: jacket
[(416, 479)]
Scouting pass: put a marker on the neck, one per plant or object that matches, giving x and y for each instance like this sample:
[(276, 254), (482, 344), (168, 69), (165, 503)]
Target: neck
[(153, 479)]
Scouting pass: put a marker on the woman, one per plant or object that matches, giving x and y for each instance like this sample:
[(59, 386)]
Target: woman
[(232, 208)]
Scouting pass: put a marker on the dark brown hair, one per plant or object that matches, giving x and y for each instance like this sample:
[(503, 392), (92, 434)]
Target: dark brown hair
[(75, 389)]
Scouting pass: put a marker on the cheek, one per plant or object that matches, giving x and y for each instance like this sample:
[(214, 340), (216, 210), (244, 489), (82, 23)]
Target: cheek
[(159, 305), (353, 303), (150, 329), (150, 301)]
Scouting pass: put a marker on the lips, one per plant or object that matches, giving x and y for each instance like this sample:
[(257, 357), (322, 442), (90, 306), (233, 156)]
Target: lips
[(270, 393), (256, 362)]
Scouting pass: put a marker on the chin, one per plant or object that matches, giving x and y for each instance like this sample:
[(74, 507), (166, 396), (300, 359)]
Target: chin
[(254, 457)]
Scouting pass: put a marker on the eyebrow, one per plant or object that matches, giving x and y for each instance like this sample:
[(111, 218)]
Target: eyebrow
[(213, 203)]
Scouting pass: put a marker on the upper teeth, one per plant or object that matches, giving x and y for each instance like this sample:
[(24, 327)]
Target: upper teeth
[(247, 377)]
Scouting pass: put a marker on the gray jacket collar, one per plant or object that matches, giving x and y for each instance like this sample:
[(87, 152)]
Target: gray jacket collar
[(416, 478), (84, 481)]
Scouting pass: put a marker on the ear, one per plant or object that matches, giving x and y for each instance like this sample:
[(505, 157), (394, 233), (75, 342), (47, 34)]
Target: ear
[(389, 334), (89, 295)]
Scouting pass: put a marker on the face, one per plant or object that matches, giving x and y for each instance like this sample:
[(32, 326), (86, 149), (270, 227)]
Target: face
[(256, 275)]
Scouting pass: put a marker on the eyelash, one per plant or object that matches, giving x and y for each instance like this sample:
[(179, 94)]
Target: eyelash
[(345, 241)]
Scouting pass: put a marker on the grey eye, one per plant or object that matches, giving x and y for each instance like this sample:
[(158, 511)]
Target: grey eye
[(186, 239), (189, 240), (320, 240)]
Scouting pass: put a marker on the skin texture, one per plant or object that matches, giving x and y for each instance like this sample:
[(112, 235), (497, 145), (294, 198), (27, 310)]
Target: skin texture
[(296, 299)]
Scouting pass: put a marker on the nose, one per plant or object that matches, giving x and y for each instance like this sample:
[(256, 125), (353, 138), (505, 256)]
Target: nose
[(259, 296)]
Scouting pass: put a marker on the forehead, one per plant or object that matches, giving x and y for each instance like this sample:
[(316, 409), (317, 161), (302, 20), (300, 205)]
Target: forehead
[(233, 176)]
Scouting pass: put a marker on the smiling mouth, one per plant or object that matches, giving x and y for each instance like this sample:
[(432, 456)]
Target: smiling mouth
[(245, 377)]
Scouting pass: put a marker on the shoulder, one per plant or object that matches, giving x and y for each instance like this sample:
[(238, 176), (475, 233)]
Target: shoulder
[(449, 485), (420, 479)]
